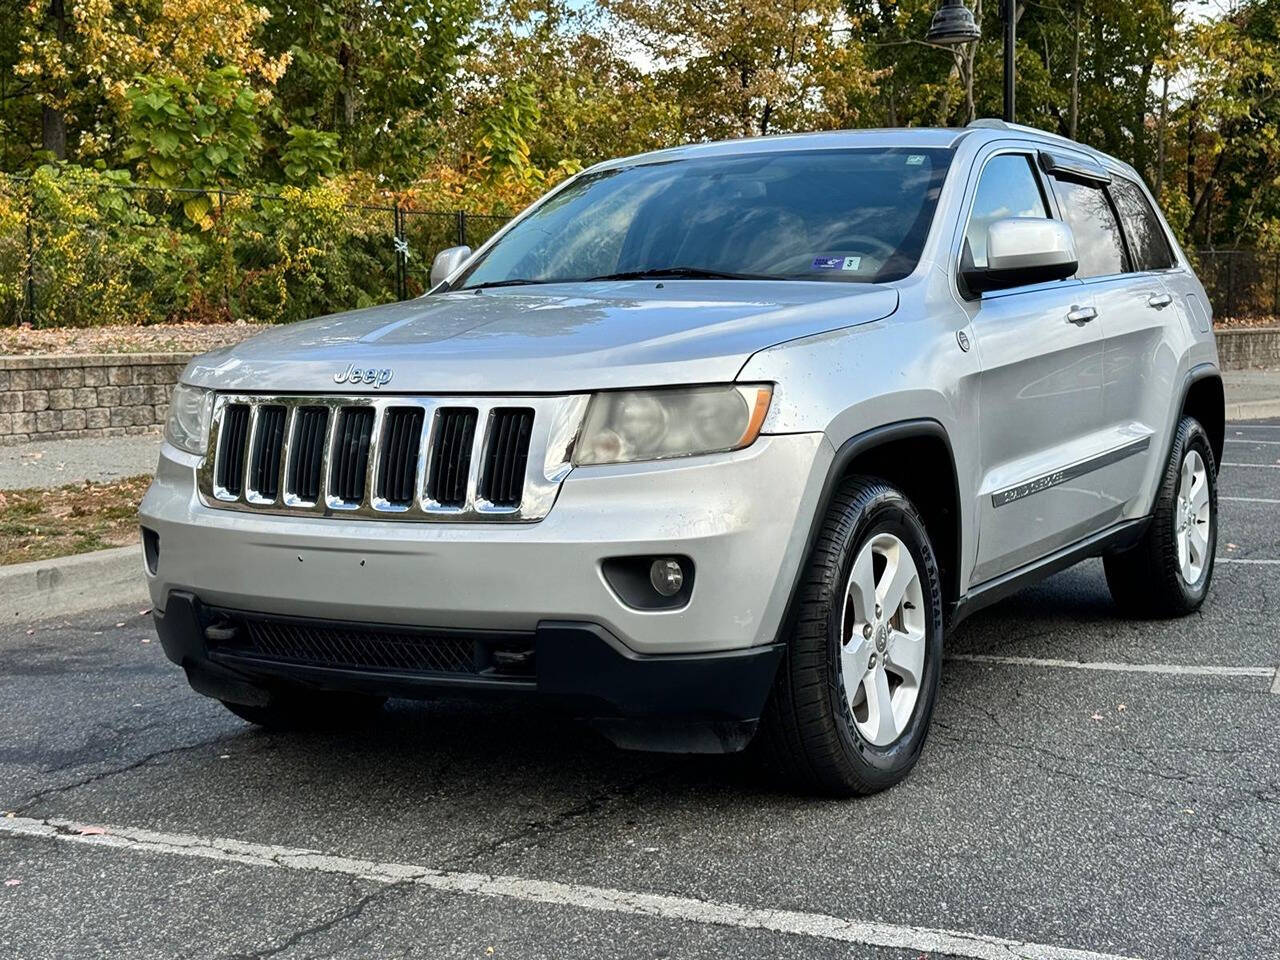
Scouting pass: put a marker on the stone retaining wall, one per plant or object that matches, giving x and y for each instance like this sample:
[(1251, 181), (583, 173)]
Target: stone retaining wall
[(1249, 349), (62, 397)]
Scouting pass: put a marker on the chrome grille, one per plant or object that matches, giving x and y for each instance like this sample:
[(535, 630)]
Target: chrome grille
[(402, 458)]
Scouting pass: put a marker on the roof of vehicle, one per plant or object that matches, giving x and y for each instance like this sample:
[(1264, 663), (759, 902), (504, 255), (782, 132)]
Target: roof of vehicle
[(944, 137)]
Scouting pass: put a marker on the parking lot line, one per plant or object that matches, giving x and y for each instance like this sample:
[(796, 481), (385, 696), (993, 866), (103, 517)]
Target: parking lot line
[(1250, 499), (1265, 466), (663, 906), (1269, 443), (1172, 669), (1245, 560)]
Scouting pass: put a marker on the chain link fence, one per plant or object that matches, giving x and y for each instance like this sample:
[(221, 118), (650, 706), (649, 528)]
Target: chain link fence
[(1241, 283), (76, 253)]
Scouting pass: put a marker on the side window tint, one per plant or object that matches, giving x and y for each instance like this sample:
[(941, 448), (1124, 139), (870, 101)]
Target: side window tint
[(1008, 188), (1099, 244), (1147, 240)]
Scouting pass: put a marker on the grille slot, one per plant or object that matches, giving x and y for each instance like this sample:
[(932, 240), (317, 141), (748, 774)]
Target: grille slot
[(383, 648), (506, 454), (351, 454), (268, 447), (454, 434), (310, 431), (234, 434), (398, 469)]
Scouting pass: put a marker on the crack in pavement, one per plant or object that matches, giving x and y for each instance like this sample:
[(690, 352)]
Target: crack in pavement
[(24, 805)]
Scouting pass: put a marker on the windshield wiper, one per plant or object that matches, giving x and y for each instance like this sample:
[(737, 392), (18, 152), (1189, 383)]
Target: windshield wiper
[(513, 282), (680, 273)]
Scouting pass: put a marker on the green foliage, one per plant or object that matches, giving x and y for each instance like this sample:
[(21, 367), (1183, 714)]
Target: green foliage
[(101, 253), (378, 74), (309, 156), (193, 135)]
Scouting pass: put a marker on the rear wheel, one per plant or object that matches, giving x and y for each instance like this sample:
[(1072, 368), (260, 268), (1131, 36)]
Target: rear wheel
[(310, 710), (853, 698), (1167, 573)]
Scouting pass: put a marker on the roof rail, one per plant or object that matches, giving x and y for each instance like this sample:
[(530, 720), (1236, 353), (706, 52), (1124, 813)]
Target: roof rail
[(991, 123)]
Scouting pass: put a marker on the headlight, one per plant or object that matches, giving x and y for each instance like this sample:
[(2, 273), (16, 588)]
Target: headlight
[(656, 424), (190, 410)]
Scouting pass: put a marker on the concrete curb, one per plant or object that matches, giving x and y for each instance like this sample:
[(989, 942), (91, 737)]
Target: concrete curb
[(1253, 409), (68, 585)]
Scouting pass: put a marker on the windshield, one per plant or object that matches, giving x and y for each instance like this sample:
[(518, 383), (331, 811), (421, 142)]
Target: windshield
[(855, 216)]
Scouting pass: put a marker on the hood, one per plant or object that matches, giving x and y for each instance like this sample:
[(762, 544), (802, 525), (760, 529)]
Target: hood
[(554, 338)]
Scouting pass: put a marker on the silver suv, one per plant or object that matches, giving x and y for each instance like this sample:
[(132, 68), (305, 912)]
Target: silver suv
[(709, 446)]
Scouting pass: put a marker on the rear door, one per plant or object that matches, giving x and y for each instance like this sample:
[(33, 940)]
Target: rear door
[(1040, 389), (1145, 341)]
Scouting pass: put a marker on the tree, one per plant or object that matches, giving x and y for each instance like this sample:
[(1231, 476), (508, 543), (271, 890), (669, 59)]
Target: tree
[(750, 67), (77, 59), (378, 73)]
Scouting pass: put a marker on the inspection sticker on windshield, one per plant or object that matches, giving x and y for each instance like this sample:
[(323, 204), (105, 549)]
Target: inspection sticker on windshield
[(915, 159), (837, 263)]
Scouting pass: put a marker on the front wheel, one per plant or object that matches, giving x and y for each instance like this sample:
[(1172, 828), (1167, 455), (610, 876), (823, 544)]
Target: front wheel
[(1167, 573), (854, 695)]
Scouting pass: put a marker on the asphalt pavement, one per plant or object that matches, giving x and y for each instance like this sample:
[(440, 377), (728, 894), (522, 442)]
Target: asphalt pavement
[(1094, 787)]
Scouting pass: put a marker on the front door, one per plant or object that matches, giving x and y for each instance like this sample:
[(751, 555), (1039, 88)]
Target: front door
[(1040, 393)]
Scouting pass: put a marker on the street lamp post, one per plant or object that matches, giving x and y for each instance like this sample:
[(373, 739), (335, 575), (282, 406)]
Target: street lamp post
[(953, 25)]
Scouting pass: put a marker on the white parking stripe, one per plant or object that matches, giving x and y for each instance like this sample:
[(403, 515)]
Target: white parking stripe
[(1250, 499), (1269, 466), (1172, 669), (1275, 687), (687, 909), (1250, 560)]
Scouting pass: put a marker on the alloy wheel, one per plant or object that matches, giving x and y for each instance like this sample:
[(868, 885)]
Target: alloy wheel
[(1192, 519), (882, 639)]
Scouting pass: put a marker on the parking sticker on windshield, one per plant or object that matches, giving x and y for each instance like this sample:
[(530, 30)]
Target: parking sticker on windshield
[(915, 159), (837, 263)]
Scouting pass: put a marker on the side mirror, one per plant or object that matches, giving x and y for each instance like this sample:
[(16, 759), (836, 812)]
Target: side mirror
[(1024, 250), (446, 262)]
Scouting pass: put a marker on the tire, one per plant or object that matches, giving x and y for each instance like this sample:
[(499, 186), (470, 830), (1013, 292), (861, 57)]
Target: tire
[(1159, 576), (310, 710), (815, 735)]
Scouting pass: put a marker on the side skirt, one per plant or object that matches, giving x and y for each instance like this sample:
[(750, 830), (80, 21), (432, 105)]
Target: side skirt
[(1121, 536)]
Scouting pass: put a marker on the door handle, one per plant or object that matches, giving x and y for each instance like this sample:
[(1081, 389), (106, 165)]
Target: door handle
[(1159, 300), (1081, 315)]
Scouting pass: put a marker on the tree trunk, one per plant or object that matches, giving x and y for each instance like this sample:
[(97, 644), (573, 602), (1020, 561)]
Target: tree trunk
[(53, 132), (53, 122), (1160, 133)]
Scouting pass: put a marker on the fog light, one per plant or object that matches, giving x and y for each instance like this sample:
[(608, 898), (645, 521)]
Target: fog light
[(666, 576)]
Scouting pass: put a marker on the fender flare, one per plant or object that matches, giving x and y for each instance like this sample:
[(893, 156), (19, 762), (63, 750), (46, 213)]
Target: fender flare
[(1201, 371), (846, 453)]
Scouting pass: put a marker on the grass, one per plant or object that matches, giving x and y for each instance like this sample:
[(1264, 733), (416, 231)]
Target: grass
[(39, 524)]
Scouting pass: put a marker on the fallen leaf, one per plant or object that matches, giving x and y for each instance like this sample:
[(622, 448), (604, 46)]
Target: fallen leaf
[(91, 831), (12, 882), (1096, 716)]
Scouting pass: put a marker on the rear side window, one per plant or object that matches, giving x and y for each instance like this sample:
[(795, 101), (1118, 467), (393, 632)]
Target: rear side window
[(1008, 188), (1147, 241), (1099, 243)]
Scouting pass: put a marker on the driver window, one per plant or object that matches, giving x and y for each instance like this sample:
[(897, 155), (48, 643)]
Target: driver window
[(1008, 188)]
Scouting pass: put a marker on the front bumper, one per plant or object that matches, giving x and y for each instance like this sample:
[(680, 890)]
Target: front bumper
[(703, 703), (742, 518)]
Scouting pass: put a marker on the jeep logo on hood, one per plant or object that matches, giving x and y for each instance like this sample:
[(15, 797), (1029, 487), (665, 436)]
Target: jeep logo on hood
[(373, 376)]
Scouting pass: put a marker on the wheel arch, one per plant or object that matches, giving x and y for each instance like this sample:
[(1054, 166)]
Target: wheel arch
[(916, 457), (1204, 397)]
